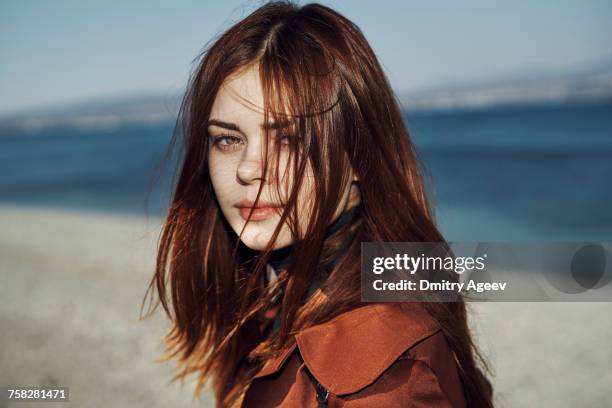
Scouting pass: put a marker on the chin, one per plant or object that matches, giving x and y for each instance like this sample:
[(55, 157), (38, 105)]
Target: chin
[(253, 244), (256, 238)]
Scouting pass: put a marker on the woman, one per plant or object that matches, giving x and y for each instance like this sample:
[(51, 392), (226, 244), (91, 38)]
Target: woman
[(295, 152)]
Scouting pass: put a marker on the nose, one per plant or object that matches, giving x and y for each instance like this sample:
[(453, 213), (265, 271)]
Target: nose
[(250, 167)]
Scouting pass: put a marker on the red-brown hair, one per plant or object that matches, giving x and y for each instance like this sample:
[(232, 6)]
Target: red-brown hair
[(317, 69)]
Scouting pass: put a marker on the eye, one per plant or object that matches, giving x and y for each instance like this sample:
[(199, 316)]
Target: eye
[(289, 138), (284, 138), (226, 141)]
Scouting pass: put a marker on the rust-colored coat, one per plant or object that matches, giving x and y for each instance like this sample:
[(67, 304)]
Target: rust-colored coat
[(377, 355)]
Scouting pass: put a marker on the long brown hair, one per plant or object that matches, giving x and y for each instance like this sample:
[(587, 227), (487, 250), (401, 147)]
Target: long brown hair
[(317, 70)]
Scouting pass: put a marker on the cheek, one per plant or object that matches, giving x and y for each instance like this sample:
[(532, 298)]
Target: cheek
[(223, 177)]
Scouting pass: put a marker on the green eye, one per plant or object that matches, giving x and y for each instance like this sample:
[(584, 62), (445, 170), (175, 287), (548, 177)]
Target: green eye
[(284, 138), (226, 142), (289, 138)]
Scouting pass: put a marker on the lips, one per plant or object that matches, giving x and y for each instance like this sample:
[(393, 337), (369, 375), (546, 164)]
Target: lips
[(263, 211)]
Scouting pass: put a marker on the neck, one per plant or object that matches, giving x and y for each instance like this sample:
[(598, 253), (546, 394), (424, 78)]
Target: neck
[(279, 258)]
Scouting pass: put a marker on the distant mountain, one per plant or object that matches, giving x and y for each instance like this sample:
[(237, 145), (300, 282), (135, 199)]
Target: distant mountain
[(583, 84), (100, 113)]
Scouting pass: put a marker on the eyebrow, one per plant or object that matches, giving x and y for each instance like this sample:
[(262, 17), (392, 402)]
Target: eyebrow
[(232, 126)]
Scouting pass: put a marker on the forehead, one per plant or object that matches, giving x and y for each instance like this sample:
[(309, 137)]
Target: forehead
[(240, 97)]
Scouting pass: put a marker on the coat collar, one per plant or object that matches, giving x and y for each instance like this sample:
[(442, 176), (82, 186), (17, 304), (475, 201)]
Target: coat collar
[(353, 349)]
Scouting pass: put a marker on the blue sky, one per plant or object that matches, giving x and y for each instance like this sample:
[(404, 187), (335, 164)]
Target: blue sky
[(55, 52)]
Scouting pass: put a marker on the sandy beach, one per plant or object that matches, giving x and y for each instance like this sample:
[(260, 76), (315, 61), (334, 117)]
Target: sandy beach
[(72, 284)]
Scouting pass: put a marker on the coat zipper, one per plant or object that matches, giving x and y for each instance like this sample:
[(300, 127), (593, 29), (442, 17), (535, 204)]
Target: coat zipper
[(322, 396)]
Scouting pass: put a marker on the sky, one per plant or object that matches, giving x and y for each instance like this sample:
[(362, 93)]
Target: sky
[(57, 52)]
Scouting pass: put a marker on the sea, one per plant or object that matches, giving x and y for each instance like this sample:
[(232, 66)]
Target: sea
[(521, 173)]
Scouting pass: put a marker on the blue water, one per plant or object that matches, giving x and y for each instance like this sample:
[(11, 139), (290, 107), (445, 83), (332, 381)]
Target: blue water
[(497, 174), (532, 173)]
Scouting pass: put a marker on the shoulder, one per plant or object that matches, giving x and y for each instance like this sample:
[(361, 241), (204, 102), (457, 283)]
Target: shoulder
[(394, 346)]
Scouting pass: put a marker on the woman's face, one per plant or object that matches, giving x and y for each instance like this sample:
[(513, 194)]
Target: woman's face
[(235, 161)]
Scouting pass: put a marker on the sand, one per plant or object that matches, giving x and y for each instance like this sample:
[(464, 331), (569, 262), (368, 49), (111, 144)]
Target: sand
[(72, 286), (72, 283)]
